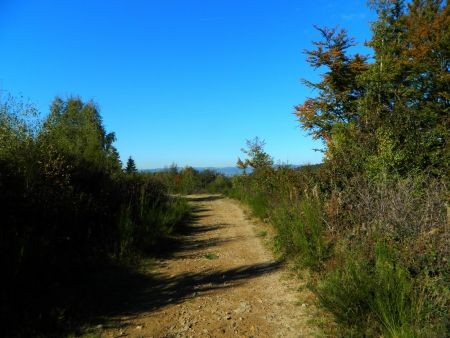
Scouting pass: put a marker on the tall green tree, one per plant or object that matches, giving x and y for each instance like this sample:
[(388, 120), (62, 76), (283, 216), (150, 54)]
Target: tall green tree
[(406, 104), (75, 128)]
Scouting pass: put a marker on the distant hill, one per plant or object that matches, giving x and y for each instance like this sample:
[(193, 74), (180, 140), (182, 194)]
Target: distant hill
[(227, 171)]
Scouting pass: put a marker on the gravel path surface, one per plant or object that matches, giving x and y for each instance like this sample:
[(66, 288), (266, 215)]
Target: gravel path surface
[(222, 282)]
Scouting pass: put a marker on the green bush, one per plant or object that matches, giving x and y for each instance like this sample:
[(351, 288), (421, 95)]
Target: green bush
[(259, 205), (67, 209), (393, 295), (190, 181), (345, 292), (379, 298), (220, 184), (301, 233), (377, 248)]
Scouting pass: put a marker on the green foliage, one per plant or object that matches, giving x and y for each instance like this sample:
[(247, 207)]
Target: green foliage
[(391, 114), (148, 215), (393, 296), (257, 159), (75, 129), (387, 158), (377, 247), (339, 90), (67, 209), (220, 184), (346, 292), (259, 204), (131, 166), (301, 233), (211, 256), (377, 297), (189, 181), (384, 188)]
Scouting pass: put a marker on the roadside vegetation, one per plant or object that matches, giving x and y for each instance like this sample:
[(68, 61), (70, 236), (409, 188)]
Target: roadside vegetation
[(371, 222), (189, 180), (68, 212)]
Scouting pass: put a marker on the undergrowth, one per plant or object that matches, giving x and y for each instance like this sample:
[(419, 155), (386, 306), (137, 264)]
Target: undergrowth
[(377, 250), (68, 211)]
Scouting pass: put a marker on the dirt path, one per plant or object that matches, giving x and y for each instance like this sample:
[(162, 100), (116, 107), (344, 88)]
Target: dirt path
[(223, 282)]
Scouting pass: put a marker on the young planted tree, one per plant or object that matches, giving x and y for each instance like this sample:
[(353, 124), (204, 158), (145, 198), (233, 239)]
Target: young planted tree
[(257, 158), (261, 163)]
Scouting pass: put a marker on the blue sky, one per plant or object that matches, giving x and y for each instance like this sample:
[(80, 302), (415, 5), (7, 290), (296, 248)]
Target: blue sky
[(177, 80)]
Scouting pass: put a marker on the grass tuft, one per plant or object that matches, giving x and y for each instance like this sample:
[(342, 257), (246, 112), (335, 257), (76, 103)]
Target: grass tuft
[(211, 256)]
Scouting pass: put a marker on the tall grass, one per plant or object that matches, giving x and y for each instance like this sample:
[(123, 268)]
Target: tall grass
[(300, 232), (373, 299), (378, 250)]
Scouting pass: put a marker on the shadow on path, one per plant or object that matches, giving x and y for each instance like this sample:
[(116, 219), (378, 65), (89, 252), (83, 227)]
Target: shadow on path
[(207, 198), (117, 291), (141, 293)]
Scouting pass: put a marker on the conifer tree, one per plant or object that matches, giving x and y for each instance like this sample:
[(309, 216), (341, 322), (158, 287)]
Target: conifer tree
[(131, 166), (257, 157)]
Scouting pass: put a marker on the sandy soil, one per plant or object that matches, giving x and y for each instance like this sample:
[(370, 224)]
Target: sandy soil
[(222, 282)]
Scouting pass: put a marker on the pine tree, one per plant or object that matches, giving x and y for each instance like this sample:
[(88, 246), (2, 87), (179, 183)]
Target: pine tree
[(257, 157), (131, 166)]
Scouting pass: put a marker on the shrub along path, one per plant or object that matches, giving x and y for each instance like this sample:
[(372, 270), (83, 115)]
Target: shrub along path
[(221, 282)]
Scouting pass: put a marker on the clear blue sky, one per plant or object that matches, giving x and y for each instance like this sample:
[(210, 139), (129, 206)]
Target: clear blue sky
[(185, 81)]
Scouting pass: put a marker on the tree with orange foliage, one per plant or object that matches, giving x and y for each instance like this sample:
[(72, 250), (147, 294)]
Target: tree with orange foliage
[(390, 116), (339, 90)]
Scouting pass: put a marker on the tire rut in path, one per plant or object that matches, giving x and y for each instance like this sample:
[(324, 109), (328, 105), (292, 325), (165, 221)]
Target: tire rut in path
[(222, 282)]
